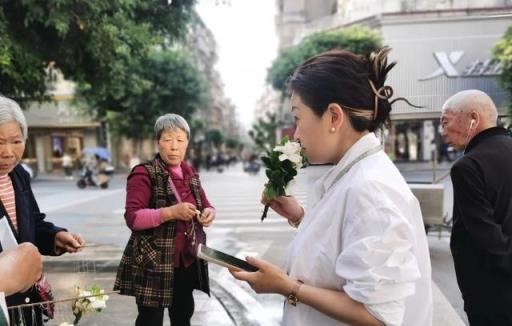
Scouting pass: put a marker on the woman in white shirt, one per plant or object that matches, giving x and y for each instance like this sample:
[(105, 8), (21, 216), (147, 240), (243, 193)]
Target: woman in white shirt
[(360, 256)]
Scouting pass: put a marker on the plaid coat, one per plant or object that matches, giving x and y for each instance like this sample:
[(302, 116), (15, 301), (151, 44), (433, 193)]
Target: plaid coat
[(146, 270)]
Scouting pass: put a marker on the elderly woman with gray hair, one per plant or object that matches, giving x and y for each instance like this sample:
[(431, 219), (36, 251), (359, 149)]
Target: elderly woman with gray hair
[(20, 210), (166, 209)]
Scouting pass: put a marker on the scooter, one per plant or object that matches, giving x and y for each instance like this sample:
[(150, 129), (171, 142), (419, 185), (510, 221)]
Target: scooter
[(252, 167), (101, 179)]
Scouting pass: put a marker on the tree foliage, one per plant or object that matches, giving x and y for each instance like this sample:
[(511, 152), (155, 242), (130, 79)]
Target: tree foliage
[(503, 53), (263, 132), (215, 137), (93, 42), (167, 83), (357, 39)]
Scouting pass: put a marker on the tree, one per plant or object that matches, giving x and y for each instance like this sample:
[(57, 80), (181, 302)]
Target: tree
[(357, 39), (263, 132), (503, 53), (93, 42), (215, 137), (234, 143), (169, 83)]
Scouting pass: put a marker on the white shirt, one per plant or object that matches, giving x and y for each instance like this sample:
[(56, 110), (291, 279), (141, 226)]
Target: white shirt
[(364, 235)]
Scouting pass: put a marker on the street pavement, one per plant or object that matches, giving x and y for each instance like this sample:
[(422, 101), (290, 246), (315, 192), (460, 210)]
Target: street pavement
[(98, 215)]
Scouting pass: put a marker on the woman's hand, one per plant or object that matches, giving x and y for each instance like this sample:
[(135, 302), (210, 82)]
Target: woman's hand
[(181, 211), (68, 242), (207, 216), (269, 278), (286, 206), (21, 268)]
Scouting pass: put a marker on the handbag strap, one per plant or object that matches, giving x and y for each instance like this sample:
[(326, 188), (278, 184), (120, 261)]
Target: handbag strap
[(174, 190), (194, 184)]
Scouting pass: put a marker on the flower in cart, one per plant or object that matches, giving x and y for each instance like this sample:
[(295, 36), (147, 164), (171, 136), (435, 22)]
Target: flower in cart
[(282, 164), (92, 300)]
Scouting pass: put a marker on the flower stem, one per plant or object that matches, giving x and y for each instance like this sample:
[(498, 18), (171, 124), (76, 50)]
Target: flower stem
[(265, 211), (77, 318)]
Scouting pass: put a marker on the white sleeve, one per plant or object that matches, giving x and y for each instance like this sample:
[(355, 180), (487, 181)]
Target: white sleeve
[(377, 260)]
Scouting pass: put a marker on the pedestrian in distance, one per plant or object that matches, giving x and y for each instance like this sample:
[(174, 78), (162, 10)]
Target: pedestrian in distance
[(20, 208), (166, 210), (360, 256), (67, 165), (481, 238)]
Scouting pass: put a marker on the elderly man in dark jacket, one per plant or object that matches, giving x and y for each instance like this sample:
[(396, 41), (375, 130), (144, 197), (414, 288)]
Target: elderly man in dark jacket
[(481, 240)]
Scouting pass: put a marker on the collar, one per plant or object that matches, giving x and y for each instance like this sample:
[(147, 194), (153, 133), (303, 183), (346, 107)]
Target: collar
[(364, 144), (484, 134)]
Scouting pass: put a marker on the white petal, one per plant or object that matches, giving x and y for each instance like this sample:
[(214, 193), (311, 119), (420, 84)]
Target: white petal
[(278, 149), (283, 157)]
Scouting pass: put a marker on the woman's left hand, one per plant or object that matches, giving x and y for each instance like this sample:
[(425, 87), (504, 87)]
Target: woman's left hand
[(68, 242), (207, 216), (268, 279)]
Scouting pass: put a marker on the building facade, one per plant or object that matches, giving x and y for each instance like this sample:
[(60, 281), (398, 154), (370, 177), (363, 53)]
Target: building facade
[(441, 47), (59, 127)]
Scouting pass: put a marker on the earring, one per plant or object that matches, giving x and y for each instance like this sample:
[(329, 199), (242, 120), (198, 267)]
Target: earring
[(333, 129)]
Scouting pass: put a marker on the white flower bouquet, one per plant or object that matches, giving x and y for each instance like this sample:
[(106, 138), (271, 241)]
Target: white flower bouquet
[(282, 164), (91, 300)]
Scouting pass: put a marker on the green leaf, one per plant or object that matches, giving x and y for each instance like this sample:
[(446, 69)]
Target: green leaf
[(268, 173)]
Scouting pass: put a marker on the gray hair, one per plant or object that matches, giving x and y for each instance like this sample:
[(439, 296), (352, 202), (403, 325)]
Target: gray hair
[(464, 102), (10, 111), (171, 121)]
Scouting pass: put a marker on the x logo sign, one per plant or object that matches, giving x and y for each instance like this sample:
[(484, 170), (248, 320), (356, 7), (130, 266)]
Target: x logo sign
[(446, 64)]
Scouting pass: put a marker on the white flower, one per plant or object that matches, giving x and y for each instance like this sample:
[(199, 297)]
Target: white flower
[(65, 324), (99, 304), (92, 300), (291, 151)]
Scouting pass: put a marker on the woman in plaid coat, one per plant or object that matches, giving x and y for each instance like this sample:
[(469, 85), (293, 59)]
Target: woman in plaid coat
[(166, 209)]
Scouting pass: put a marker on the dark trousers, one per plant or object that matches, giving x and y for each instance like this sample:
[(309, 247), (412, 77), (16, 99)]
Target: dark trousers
[(182, 308), (489, 320)]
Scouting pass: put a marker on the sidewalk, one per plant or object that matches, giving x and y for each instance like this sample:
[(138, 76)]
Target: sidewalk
[(98, 265)]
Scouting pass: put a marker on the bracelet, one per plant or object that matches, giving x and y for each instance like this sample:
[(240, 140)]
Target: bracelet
[(299, 220), (292, 297)]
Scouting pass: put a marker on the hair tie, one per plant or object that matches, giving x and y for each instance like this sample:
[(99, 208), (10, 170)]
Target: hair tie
[(384, 93)]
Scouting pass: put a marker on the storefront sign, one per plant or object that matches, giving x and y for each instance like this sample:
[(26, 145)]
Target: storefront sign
[(447, 66)]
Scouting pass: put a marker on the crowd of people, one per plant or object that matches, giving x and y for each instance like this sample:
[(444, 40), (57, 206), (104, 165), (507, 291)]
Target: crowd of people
[(360, 256)]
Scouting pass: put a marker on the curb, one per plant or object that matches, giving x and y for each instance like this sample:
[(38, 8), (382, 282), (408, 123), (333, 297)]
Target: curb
[(234, 309)]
